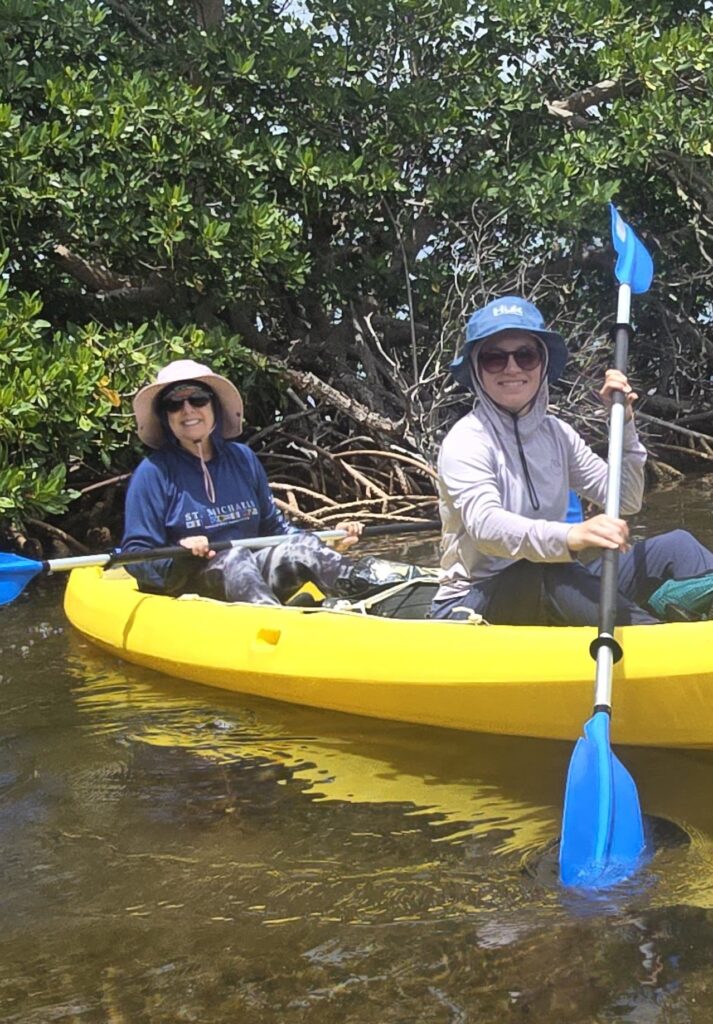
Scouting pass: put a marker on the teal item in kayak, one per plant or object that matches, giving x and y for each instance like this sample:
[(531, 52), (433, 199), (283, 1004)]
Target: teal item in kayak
[(694, 596)]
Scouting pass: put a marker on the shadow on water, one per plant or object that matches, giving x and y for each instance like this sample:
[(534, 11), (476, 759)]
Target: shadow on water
[(175, 853)]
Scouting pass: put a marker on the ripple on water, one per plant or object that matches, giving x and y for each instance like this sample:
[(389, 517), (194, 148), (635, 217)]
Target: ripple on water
[(668, 846)]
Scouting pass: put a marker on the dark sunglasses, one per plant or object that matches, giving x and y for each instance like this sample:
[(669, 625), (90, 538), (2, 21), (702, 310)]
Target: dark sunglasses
[(496, 360), (197, 400)]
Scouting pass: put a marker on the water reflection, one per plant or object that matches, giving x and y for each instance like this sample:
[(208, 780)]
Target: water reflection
[(460, 784), (494, 796)]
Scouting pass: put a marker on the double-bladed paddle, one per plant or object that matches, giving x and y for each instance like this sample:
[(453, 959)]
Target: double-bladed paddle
[(602, 829), (16, 572)]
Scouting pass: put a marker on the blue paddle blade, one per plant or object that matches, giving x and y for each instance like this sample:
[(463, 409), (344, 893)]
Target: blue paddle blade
[(15, 574), (602, 829), (634, 265)]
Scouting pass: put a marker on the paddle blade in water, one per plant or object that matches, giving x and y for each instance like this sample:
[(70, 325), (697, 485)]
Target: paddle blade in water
[(15, 574), (634, 265), (602, 829)]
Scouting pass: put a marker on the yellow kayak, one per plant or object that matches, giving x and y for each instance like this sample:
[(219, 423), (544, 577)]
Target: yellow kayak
[(510, 680)]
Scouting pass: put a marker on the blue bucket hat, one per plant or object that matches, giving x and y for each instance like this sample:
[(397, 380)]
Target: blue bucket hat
[(506, 314)]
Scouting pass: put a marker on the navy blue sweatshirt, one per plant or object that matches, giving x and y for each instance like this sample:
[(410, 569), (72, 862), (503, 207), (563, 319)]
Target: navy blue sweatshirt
[(167, 501)]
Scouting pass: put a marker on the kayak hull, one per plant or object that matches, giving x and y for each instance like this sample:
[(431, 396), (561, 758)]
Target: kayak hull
[(522, 681)]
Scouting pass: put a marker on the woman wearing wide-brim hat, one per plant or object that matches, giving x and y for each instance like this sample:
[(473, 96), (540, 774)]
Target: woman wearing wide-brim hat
[(199, 486), (506, 470)]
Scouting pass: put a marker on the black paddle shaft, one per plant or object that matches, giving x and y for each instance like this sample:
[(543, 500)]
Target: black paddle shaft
[(178, 551), (610, 559)]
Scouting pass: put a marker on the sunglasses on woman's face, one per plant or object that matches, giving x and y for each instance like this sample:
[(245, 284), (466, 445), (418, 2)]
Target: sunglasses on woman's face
[(495, 360), (196, 399)]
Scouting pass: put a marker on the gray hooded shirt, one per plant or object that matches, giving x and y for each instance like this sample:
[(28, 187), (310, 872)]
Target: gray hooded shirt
[(486, 510)]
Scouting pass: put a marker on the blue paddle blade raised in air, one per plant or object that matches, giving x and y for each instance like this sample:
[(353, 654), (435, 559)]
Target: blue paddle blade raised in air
[(634, 265), (15, 574), (602, 829)]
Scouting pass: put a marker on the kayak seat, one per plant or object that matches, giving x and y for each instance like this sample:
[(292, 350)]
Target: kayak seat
[(407, 592), (410, 602)]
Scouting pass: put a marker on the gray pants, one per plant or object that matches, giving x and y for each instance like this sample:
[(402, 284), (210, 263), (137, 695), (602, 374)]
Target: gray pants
[(271, 575)]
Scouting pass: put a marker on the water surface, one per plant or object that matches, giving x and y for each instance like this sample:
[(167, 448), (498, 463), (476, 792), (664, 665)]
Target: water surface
[(175, 853)]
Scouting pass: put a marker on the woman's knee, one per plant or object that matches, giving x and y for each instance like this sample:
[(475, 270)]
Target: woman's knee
[(677, 553), (301, 542), (235, 561), (234, 575), (676, 540), (297, 550)]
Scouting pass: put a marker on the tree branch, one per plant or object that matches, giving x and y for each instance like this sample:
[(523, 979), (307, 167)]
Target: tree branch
[(123, 12), (95, 276), (117, 294), (407, 282), (210, 13), (306, 381), (140, 302), (576, 104)]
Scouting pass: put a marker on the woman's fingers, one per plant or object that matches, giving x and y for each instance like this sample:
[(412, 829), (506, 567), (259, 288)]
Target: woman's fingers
[(353, 530), (615, 380), (599, 532), (352, 527), (198, 546)]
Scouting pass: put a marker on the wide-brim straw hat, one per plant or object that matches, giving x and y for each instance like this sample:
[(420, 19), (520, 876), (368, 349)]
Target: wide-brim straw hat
[(148, 419)]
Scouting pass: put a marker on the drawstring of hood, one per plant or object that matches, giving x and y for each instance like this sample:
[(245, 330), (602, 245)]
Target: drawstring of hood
[(532, 493), (207, 478)]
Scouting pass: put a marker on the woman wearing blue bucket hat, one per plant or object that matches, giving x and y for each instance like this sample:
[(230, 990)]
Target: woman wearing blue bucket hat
[(505, 474)]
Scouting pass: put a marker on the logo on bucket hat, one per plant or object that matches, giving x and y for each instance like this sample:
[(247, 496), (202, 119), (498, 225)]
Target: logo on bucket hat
[(504, 310)]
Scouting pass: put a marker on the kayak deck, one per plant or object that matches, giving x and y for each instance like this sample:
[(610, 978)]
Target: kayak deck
[(524, 681)]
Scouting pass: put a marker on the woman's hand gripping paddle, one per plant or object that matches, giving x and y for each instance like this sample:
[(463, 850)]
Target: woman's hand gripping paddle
[(602, 828), (16, 572)]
